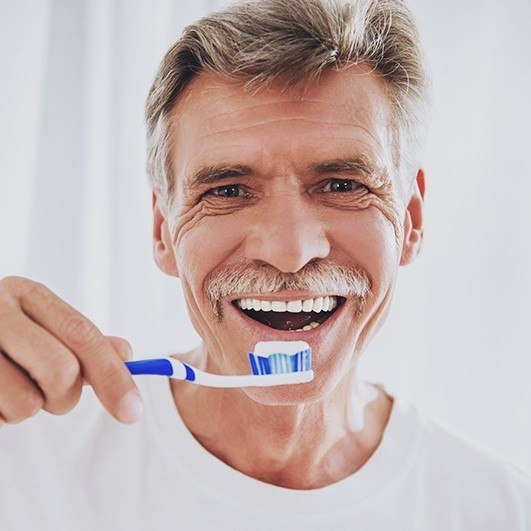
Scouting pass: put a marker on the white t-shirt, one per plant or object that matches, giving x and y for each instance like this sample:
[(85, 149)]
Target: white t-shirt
[(85, 470)]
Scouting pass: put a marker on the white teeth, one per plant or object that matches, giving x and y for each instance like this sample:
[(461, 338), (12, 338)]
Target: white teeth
[(307, 305), (278, 306), (311, 326), (319, 304), (294, 306), (265, 306)]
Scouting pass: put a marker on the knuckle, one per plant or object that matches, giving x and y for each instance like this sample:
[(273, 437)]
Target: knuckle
[(28, 404), (30, 288), (62, 373), (9, 286), (6, 311), (24, 289), (9, 282), (80, 332), (112, 380), (109, 377), (66, 404), (70, 405)]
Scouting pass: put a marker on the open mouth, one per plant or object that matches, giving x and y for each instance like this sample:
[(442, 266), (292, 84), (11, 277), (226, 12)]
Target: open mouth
[(297, 316)]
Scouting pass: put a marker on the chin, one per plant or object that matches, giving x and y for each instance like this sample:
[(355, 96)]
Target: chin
[(324, 382)]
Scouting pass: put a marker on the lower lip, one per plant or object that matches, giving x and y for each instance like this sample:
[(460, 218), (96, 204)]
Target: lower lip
[(316, 333)]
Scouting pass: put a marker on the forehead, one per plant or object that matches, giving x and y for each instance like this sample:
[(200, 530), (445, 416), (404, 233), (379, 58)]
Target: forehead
[(216, 117)]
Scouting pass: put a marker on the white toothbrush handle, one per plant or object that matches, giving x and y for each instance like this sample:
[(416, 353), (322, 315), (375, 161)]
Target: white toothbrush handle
[(182, 371)]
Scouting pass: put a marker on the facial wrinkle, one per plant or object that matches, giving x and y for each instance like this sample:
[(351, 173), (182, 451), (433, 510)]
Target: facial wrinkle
[(323, 124), (389, 208), (185, 221), (363, 337), (386, 199), (379, 197)]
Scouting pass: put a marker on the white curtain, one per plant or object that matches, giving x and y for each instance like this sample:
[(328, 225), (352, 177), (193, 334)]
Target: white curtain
[(75, 206)]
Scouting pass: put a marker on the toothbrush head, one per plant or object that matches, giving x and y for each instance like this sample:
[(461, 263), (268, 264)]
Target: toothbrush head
[(280, 357)]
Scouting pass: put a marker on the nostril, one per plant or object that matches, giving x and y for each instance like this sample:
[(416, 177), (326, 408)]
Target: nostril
[(285, 259), (287, 248)]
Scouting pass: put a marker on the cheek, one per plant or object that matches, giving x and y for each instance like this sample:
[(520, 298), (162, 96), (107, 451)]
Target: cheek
[(370, 239), (203, 244)]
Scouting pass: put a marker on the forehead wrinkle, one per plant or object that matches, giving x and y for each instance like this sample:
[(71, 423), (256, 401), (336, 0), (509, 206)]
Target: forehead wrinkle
[(323, 106), (357, 116), (343, 136), (273, 120)]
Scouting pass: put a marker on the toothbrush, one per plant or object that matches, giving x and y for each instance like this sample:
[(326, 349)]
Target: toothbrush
[(272, 363)]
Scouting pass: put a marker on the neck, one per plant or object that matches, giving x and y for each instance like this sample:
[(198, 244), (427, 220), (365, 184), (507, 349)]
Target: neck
[(303, 446)]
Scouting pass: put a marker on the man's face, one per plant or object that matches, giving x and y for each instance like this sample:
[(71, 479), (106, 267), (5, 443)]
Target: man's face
[(279, 193)]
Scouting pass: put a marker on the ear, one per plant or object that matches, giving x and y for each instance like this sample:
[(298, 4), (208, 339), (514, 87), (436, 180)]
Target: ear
[(162, 241), (413, 229)]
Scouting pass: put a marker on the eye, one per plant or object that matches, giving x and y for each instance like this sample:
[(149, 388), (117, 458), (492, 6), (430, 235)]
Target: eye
[(228, 190), (341, 185)]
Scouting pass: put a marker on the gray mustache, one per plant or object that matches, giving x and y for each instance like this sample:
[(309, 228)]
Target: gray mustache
[(317, 277)]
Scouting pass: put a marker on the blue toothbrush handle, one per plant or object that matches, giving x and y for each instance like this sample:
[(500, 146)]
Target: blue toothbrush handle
[(160, 366)]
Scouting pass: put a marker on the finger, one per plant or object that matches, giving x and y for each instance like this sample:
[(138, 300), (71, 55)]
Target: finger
[(100, 364), (53, 368), (122, 347), (19, 396)]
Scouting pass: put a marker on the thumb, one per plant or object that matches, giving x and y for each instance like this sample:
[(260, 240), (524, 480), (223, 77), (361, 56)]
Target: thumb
[(122, 348)]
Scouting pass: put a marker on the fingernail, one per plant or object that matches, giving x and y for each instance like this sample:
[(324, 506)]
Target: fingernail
[(131, 408)]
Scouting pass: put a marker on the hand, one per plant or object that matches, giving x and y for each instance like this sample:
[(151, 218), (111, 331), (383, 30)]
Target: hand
[(48, 350)]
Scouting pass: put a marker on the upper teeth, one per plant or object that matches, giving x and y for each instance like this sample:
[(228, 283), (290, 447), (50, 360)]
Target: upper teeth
[(319, 304)]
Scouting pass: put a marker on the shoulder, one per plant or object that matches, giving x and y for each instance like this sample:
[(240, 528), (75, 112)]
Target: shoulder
[(456, 448), (459, 467)]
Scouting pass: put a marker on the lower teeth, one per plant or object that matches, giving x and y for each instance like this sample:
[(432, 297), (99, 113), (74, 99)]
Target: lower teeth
[(313, 324)]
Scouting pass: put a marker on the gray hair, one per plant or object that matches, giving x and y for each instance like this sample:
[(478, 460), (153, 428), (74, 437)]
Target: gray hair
[(261, 41)]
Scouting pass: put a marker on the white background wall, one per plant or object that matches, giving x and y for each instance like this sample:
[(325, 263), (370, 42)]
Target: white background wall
[(75, 204)]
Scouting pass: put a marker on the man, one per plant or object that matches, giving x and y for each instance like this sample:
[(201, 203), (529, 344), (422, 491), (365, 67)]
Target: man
[(284, 144)]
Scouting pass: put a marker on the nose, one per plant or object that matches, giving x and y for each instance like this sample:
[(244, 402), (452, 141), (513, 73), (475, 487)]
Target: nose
[(288, 235)]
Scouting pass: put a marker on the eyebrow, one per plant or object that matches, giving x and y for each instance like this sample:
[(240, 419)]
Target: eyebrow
[(350, 165), (217, 172)]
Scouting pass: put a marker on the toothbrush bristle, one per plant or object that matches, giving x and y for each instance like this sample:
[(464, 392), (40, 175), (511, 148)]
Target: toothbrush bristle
[(281, 363)]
